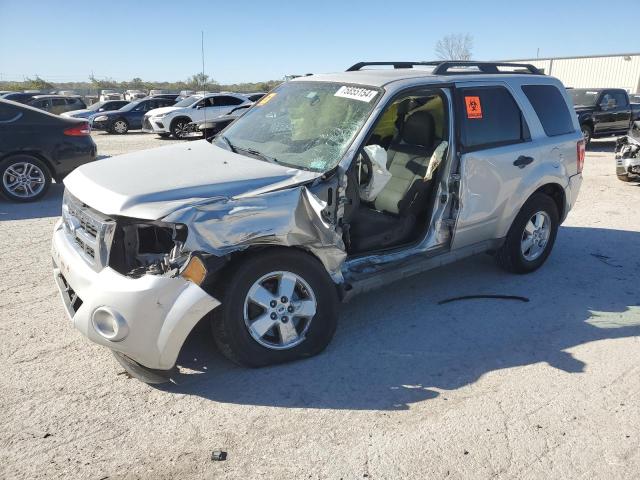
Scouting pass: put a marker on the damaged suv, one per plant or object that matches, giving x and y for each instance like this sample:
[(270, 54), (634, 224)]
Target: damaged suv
[(328, 186)]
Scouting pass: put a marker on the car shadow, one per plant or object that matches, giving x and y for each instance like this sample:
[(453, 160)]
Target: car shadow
[(398, 346), (48, 206)]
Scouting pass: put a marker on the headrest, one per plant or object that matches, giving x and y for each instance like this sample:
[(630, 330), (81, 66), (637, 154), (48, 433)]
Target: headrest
[(419, 129)]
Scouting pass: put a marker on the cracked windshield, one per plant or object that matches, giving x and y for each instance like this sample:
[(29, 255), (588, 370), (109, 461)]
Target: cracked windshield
[(308, 125)]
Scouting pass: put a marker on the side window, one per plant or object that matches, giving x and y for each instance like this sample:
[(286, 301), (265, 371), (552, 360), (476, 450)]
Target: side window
[(225, 101), (549, 105), (620, 98), (490, 118), (56, 102), (607, 100)]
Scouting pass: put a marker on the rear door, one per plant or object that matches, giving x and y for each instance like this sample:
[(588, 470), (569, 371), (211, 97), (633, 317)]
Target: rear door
[(496, 150), (622, 111)]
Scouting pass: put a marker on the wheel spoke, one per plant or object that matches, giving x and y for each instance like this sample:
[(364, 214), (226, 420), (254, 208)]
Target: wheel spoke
[(526, 245), (11, 171), (287, 285), (538, 220), (26, 171), (304, 308), (529, 227), (260, 295), (262, 325), (288, 332)]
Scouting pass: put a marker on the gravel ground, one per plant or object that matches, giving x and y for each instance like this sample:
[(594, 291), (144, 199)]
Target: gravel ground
[(407, 389)]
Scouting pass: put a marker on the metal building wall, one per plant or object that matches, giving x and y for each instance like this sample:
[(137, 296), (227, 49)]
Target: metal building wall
[(613, 71)]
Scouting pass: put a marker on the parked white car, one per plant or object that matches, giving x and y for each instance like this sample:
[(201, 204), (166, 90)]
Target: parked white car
[(132, 95), (108, 94), (174, 120)]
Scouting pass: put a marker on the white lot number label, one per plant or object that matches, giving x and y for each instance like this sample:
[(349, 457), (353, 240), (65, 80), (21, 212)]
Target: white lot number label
[(356, 93)]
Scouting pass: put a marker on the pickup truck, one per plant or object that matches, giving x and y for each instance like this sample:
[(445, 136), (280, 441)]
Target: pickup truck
[(604, 112)]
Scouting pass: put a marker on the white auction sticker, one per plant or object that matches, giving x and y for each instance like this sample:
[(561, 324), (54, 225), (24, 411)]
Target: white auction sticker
[(356, 93)]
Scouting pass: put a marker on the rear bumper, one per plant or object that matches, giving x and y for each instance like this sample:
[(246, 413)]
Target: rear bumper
[(73, 153), (571, 193), (153, 314)]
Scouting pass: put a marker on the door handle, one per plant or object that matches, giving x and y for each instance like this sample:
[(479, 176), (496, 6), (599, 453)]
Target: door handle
[(522, 161)]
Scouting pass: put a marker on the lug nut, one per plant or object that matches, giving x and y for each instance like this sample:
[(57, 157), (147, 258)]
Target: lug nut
[(284, 299), (290, 309), (273, 303), (285, 319), (274, 316)]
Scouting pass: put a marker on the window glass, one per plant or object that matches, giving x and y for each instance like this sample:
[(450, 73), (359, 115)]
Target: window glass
[(56, 102), (490, 118), (226, 101), (551, 108), (620, 98)]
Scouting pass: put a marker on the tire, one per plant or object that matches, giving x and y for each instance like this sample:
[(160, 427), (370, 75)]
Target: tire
[(119, 127), (511, 256), (625, 178), (587, 133), (142, 373), (178, 128), (236, 336), (24, 178)]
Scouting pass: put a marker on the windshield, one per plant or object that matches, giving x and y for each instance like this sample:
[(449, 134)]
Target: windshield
[(583, 97), (308, 125), (187, 101), (94, 107)]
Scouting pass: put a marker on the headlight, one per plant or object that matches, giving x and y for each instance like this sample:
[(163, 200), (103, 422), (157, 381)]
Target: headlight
[(101, 118), (161, 115)]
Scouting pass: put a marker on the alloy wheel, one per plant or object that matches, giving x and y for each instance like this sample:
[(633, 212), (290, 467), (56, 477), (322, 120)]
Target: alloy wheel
[(278, 310), (23, 179), (120, 126), (535, 236)]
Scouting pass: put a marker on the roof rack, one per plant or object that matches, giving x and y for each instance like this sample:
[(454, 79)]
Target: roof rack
[(442, 67)]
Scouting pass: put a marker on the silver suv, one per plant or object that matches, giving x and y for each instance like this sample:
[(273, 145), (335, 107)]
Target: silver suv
[(328, 186)]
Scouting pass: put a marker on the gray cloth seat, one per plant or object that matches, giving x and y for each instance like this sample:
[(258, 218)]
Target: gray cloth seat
[(408, 161), (405, 195)]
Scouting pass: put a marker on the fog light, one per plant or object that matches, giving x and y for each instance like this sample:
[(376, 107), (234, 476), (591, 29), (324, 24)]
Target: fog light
[(109, 324)]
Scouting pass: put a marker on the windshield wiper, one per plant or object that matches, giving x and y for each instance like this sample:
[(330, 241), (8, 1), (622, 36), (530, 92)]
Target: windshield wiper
[(258, 154), (229, 144)]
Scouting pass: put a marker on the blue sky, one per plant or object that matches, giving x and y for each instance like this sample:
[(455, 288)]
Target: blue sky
[(252, 41)]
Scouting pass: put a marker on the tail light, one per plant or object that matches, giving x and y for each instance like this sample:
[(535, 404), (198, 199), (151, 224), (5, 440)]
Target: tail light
[(81, 130), (580, 147)]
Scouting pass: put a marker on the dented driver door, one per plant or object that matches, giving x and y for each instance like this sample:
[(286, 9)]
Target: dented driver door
[(495, 153)]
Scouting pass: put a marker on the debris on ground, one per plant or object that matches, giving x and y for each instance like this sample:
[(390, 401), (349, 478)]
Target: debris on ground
[(473, 297), (218, 456), (605, 259)]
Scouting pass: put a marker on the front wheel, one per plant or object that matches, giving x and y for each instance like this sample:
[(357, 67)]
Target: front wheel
[(531, 236), (120, 127), (625, 178), (24, 178), (277, 306), (180, 128)]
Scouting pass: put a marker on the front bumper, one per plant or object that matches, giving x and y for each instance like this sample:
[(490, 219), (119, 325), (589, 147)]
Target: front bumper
[(154, 125), (628, 166), (104, 125), (158, 312)]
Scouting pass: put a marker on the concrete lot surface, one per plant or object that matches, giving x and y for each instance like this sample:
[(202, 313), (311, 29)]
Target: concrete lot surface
[(408, 388)]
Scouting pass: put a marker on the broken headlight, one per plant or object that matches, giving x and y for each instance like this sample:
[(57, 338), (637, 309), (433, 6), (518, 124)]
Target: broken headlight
[(141, 247)]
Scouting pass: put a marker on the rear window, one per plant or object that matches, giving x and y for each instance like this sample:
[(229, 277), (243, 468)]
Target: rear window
[(551, 109), (491, 118)]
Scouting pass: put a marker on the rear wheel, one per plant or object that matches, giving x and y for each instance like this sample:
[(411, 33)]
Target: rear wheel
[(120, 127), (531, 236), (277, 306), (24, 178)]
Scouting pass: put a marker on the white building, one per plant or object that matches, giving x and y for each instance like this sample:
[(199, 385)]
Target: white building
[(593, 71)]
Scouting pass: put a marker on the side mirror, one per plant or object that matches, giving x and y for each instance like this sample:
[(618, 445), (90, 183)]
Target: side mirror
[(199, 107)]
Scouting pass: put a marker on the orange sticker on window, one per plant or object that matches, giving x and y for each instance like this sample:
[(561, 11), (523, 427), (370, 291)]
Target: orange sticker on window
[(264, 100), (474, 109)]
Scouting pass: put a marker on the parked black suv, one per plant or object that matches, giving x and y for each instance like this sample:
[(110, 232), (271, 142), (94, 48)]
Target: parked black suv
[(604, 112)]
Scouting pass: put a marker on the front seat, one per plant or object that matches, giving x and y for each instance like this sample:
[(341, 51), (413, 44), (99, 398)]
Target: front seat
[(406, 193)]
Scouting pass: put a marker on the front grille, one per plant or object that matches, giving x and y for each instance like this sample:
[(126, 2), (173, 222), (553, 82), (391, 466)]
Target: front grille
[(91, 232), (72, 301)]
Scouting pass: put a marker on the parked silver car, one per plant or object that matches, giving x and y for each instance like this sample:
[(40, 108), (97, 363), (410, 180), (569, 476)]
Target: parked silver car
[(328, 186)]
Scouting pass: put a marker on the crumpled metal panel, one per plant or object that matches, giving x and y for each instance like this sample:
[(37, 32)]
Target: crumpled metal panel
[(289, 217)]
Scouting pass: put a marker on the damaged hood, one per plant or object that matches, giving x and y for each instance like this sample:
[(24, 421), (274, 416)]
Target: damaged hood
[(150, 184)]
